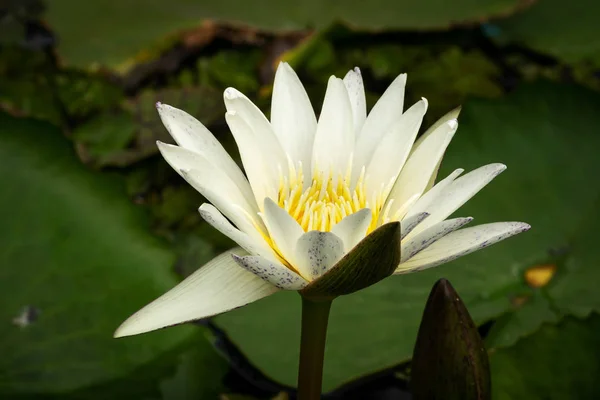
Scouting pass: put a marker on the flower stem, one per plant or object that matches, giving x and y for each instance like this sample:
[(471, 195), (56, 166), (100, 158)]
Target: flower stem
[(315, 315)]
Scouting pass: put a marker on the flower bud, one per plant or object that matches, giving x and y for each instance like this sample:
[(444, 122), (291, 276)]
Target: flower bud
[(450, 361)]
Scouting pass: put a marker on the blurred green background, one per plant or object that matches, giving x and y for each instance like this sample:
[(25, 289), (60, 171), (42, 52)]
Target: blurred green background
[(95, 224)]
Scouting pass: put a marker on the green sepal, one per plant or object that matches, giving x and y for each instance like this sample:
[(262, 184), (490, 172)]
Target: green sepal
[(374, 258), (450, 361)]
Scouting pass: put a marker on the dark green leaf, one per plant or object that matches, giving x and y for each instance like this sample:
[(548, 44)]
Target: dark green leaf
[(77, 260), (126, 135), (536, 308), (104, 136), (574, 33), (108, 33), (557, 362)]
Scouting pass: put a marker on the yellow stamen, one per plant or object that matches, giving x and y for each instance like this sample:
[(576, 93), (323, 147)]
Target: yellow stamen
[(326, 201)]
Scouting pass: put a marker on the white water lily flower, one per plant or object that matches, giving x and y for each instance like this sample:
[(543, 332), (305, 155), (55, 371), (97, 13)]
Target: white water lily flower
[(313, 190)]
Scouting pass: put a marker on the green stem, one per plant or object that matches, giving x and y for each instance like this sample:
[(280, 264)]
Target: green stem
[(315, 315)]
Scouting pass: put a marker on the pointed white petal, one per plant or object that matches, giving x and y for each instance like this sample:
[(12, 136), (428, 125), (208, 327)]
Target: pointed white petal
[(409, 223), (263, 176), (356, 93), (245, 221), (180, 159), (189, 133), (238, 103), (283, 229), (273, 272), (393, 150), (292, 116), (447, 117), (417, 242), (257, 129), (385, 112), (459, 192), (317, 252), (353, 228), (212, 183), (460, 243), (252, 242), (219, 286), (334, 140), (415, 175), (425, 201)]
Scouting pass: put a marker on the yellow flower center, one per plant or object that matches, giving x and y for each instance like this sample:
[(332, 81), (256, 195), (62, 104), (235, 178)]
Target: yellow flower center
[(326, 201)]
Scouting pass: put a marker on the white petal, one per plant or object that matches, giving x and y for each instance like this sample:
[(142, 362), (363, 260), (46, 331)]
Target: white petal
[(273, 272), (425, 201), (447, 117), (180, 158), (421, 164), (283, 229), (353, 228), (236, 102), (208, 180), (334, 140), (460, 243), (292, 117), (409, 223), (258, 130), (386, 111), (263, 176), (189, 133), (393, 150), (219, 286), (459, 192), (244, 220), (356, 93), (252, 242), (417, 242), (317, 252)]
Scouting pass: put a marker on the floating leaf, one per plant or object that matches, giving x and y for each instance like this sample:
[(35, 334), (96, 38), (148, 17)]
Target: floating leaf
[(103, 33), (574, 34), (531, 311), (127, 135), (557, 362), (77, 260)]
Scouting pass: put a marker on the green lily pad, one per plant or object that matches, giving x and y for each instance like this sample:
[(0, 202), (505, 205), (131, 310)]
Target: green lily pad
[(545, 134), (34, 87), (568, 33), (557, 362), (128, 134), (190, 371), (108, 134), (102, 32), (378, 15), (536, 310), (76, 261)]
